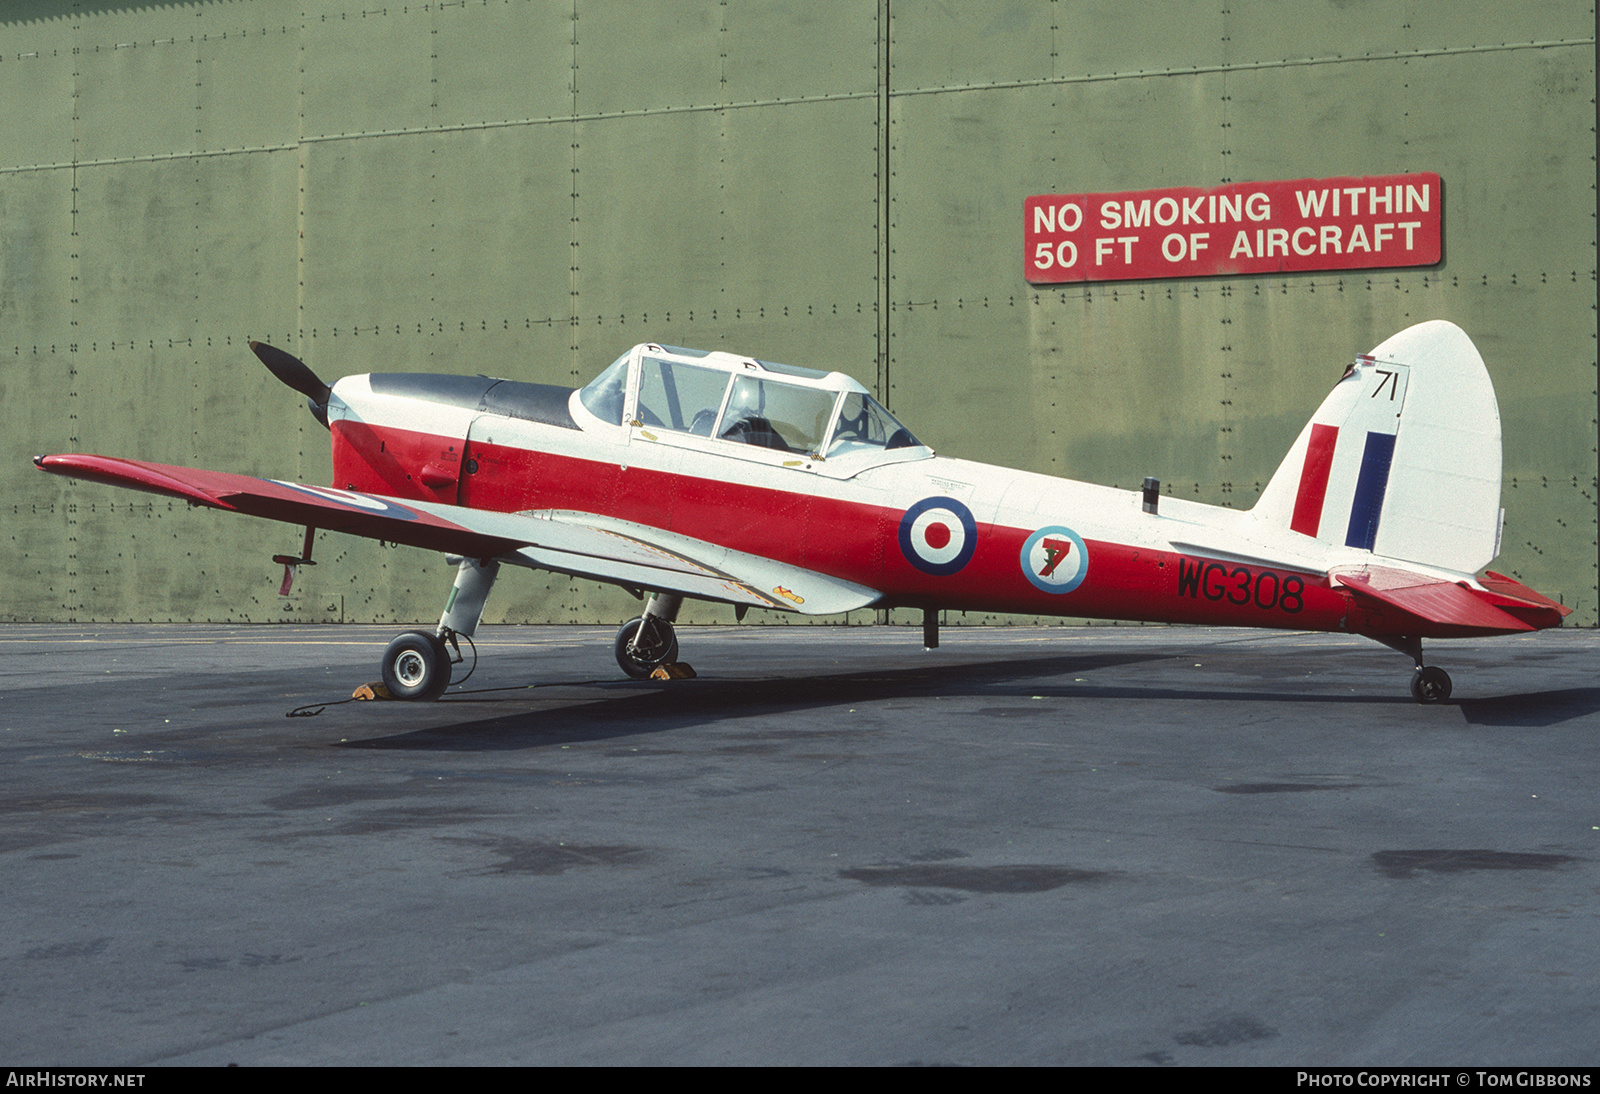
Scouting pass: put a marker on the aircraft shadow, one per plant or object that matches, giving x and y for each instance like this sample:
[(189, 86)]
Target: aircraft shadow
[(1546, 708), (635, 708)]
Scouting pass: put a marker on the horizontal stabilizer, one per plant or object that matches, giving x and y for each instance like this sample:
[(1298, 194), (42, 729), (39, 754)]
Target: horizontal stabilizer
[(1512, 596), (1443, 607)]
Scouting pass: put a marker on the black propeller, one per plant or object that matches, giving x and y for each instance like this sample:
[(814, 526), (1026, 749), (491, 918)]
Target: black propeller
[(296, 374)]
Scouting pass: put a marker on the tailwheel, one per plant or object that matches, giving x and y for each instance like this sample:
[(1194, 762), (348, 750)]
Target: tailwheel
[(416, 666), (656, 644), (1430, 684)]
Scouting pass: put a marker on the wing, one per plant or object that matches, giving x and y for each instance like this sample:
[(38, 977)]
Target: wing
[(583, 544), (636, 555), (295, 503)]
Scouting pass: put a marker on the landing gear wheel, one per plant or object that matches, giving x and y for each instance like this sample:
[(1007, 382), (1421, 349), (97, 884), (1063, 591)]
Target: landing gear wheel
[(1430, 685), (416, 666), (657, 646)]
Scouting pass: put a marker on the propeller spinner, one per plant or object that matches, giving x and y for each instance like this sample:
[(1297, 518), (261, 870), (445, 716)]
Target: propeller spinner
[(296, 374)]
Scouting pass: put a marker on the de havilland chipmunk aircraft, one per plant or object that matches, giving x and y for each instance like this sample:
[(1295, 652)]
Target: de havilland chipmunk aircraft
[(683, 473)]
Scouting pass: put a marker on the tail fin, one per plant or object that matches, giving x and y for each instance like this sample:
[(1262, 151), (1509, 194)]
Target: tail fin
[(1402, 459)]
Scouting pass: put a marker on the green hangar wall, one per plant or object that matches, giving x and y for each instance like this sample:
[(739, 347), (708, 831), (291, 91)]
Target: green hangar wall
[(527, 187)]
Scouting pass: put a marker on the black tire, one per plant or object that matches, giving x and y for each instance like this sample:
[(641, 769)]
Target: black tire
[(416, 666), (658, 646), (1430, 685)]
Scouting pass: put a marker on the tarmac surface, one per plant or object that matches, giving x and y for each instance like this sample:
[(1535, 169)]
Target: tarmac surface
[(1107, 845)]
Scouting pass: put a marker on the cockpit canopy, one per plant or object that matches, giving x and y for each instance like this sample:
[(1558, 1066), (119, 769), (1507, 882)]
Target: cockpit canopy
[(740, 399)]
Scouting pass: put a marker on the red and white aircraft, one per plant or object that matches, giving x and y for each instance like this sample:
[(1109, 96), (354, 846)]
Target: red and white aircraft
[(715, 477)]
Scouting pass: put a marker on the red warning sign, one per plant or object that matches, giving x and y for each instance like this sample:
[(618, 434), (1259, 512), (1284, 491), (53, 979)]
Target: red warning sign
[(1242, 228)]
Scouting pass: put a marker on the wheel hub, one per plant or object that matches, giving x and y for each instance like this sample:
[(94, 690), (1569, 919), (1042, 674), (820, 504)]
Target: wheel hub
[(410, 669)]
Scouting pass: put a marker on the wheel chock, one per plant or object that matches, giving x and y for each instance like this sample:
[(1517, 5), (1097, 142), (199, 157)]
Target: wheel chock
[(371, 691), (673, 670)]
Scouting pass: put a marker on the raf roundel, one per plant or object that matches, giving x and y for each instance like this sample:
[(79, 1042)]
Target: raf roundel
[(1055, 559), (350, 498), (938, 536)]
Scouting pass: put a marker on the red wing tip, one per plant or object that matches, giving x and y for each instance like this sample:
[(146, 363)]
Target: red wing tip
[(69, 459)]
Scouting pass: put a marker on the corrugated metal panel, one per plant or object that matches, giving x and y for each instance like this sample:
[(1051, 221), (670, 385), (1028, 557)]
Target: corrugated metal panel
[(526, 188)]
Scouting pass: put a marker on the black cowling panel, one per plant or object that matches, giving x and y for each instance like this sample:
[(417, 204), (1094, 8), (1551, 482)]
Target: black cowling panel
[(543, 403)]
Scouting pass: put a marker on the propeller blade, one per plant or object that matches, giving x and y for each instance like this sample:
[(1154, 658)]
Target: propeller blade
[(293, 372)]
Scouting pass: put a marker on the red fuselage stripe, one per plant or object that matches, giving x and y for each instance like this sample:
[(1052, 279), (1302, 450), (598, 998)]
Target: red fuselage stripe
[(849, 539)]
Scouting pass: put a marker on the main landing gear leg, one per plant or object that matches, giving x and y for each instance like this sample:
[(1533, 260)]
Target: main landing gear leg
[(930, 628), (649, 641), (417, 664), (1429, 683)]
